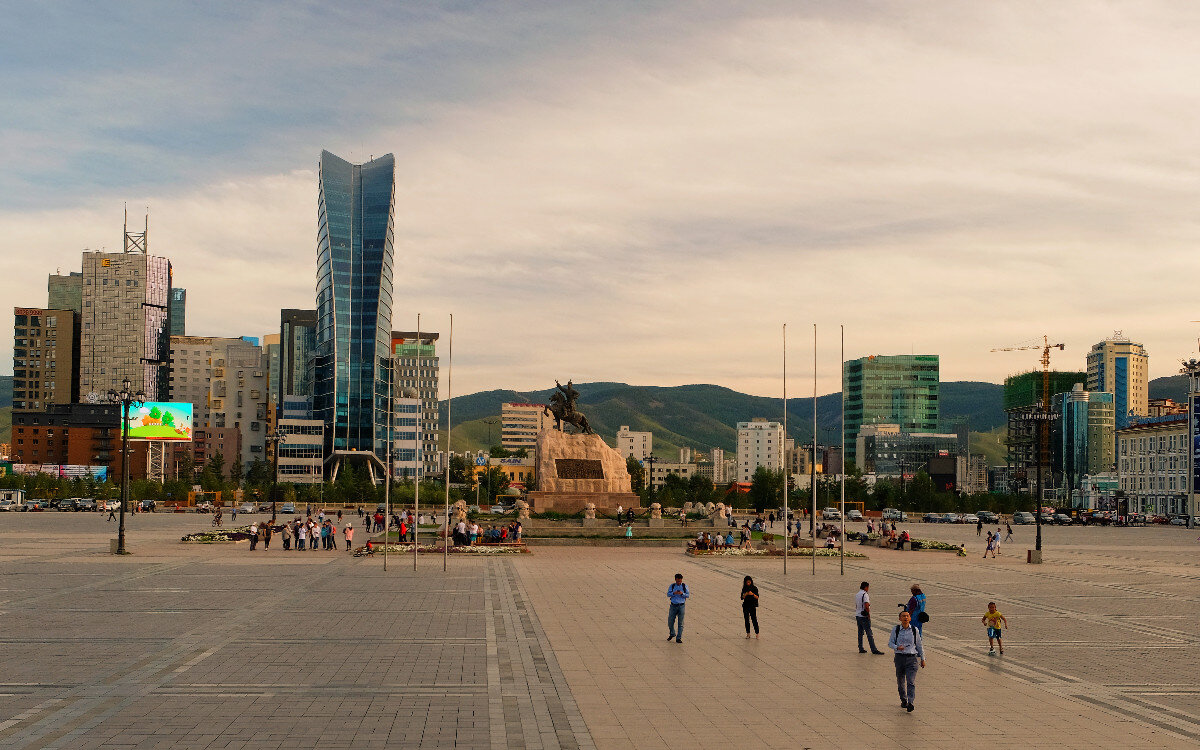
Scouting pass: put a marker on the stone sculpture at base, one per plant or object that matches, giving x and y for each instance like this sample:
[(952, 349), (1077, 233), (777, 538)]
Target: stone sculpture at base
[(574, 470)]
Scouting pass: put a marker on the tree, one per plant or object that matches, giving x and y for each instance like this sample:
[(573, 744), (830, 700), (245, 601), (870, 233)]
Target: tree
[(217, 464), (495, 480), (765, 488), (637, 474), (499, 451), (185, 470), (701, 490), (236, 471), (460, 471)]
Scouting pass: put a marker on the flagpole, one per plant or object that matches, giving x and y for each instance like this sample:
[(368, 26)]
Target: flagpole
[(812, 487), (842, 555), (787, 539), (446, 456), (420, 453)]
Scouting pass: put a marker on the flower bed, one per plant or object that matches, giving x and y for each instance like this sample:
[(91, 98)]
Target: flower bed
[(935, 545), (218, 536), (773, 552), (424, 549)]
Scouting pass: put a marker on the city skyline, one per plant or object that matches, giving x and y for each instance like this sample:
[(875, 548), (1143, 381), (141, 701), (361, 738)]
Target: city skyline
[(642, 196)]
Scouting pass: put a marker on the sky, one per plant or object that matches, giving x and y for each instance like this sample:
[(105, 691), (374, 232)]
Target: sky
[(642, 192)]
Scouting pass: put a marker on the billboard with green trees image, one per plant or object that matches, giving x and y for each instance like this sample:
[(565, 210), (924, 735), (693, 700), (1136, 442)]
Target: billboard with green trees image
[(160, 420)]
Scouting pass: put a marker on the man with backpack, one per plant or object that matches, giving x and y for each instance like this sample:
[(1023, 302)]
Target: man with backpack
[(906, 642)]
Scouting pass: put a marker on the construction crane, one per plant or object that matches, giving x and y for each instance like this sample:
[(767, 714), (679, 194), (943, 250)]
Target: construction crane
[(1042, 418), (1045, 347)]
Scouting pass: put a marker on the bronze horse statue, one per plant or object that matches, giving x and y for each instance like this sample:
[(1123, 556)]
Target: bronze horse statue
[(562, 408)]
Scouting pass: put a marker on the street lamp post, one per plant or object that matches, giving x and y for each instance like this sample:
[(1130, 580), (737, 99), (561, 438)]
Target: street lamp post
[(649, 460), (126, 399), (1191, 368), (277, 437)]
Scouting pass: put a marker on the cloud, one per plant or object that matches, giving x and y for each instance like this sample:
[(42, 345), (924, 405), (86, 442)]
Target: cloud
[(648, 196)]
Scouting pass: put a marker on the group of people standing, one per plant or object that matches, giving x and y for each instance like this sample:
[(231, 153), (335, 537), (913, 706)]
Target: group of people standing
[(305, 534), (467, 534)]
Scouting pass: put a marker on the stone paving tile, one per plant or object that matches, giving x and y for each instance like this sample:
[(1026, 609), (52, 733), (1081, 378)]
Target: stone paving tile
[(1085, 656)]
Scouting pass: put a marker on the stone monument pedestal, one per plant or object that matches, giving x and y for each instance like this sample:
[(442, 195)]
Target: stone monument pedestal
[(576, 469)]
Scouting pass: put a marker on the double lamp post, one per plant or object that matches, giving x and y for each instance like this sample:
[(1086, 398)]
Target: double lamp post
[(126, 399)]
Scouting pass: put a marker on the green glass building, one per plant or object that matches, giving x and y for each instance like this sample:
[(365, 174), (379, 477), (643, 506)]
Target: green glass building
[(900, 390)]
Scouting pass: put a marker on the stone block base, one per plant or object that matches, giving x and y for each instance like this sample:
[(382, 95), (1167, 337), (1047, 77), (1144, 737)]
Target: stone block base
[(655, 523), (1033, 556), (576, 502)]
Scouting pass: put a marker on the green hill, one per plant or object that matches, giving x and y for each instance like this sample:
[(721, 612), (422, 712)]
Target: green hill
[(703, 416), (6, 390), (6, 424)]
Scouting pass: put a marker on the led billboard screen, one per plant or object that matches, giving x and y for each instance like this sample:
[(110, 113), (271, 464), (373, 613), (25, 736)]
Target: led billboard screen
[(160, 420)]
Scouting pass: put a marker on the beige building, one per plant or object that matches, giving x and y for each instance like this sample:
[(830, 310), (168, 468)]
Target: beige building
[(225, 380), (520, 425), (634, 444), (124, 329), (1152, 465), (45, 348), (1121, 367), (760, 443), (663, 468)]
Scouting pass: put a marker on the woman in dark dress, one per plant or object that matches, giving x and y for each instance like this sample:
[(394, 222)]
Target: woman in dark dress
[(750, 605)]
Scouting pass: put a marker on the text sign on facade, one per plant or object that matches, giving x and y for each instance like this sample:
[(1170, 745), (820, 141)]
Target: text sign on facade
[(578, 468)]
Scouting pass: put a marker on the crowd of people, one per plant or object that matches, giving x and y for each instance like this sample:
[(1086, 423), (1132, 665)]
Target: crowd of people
[(466, 534)]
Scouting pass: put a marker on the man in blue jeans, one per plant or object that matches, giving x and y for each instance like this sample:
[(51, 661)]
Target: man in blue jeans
[(678, 594)]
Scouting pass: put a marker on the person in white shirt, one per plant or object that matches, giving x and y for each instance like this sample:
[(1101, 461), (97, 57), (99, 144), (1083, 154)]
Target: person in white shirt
[(862, 615)]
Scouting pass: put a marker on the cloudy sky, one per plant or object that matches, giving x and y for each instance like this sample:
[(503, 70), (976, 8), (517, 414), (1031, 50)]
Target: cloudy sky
[(636, 191)]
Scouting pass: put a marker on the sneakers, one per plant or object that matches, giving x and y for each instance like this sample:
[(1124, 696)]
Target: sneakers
[(909, 708), (671, 637), (862, 651), (679, 640), (877, 653)]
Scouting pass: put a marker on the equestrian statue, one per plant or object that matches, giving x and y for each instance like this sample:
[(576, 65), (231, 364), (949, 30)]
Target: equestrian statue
[(562, 408)]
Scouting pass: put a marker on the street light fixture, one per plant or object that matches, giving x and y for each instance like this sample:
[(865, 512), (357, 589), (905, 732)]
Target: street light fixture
[(277, 436), (1191, 368), (126, 399)]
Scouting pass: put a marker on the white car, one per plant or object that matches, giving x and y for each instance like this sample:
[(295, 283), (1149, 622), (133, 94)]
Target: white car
[(970, 518), (854, 515), (830, 514), (112, 504), (6, 505), (246, 508)]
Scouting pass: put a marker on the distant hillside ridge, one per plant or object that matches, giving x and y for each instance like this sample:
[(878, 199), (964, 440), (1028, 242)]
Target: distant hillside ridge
[(705, 416), (6, 390)]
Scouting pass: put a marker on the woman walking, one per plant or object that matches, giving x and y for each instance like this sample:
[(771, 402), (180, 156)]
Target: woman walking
[(750, 605), (916, 608)]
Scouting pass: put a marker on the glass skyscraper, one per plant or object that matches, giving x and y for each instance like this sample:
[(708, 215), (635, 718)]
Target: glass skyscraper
[(354, 302), (900, 390)]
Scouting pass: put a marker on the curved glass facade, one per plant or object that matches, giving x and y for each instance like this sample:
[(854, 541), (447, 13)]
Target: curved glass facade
[(354, 301)]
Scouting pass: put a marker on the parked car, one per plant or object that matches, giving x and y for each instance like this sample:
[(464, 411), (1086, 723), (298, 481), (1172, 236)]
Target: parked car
[(950, 518), (34, 505), (204, 506), (1062, 519), (112, 504), (1159, 519), (1047, 517), (1179, 520), (1023, 518), (987, 516), (246, 508), (498, 509), (86, 503), (971, 518), (287, 509), (830, 514), (7, 505), (893, 514), (854, 515), (148, 505), (931, 518)]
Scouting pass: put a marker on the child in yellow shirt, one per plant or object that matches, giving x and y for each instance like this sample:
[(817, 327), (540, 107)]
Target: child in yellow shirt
[(993, 619)]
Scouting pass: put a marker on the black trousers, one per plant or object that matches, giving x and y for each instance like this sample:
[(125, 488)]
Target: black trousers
[(750, 615)]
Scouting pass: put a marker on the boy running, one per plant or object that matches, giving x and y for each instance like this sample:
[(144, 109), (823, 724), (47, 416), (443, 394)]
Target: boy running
[(993, 619)]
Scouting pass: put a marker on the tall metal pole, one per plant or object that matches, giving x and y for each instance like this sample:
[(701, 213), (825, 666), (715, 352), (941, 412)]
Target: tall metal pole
[(1191, 368), (124, 470), (420, 456), (812, 526), (842, 546), (387, 472), (446, 455), (787, 540)]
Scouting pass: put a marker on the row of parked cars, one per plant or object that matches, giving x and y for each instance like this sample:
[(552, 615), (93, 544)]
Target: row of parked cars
[(73, 504)]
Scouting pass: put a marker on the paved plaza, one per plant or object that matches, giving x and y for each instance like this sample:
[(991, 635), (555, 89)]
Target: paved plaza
[(212, 646)]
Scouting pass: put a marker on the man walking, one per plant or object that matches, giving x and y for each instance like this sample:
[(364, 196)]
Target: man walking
[(862, 615), (678, 594), (1008, 537), (906, 642)]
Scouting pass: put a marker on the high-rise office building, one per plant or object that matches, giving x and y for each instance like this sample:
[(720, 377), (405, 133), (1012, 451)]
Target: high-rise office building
[(900, 390), (65, 292), (1085, 436), (1022, 393), (45, 358), (354, 308), (1121, 367), (124, 330), (416, 361), (178, 308), (759, 443), (520, 424), (297, 354), (270, 346)]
